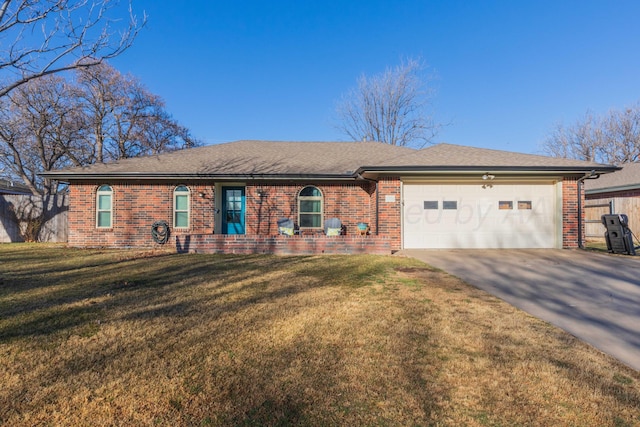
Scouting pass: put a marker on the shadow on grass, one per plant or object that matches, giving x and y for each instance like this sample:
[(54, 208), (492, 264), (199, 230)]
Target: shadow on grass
[(48, 322), (44, 300), (248, 340), (188, 306)]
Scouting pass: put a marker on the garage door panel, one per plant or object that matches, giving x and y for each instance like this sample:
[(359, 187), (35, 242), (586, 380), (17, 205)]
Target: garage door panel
[(501, 216)]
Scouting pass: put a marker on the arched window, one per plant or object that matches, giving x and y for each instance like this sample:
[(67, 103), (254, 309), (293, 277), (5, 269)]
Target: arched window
[(181, 207), (104, 206), (310, 208)]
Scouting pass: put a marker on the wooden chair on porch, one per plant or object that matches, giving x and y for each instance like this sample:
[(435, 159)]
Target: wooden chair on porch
[(333, 227), (286, 227)]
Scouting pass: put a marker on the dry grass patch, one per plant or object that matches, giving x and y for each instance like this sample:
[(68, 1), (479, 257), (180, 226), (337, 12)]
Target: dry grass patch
[(146, 338)]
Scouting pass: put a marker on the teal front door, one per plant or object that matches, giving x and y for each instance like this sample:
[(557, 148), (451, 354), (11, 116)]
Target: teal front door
[(233, 205)]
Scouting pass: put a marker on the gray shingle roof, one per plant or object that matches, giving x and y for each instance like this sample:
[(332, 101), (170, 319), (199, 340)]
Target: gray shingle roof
[(472, 156), (627, 178), (273, 158), (257, 157), (464, 156)]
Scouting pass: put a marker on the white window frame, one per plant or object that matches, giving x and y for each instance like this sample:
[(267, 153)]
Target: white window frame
[(102, 191), (311, 198), (181, 190)]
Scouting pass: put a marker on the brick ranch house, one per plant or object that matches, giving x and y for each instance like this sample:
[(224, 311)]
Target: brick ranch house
[(227, 198)]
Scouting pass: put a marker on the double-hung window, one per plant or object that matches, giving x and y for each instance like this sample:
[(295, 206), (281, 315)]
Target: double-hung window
[(310, 208), (181, 207), (104, 207)]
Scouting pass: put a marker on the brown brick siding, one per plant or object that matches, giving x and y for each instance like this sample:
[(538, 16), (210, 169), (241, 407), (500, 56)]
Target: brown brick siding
[(570, 213), (351, 203), (137, 205), (389, 208)]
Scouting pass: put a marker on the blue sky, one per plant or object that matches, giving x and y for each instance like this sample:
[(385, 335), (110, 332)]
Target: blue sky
[(507, 71)]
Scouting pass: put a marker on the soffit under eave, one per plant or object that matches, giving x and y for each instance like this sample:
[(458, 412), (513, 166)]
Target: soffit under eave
[(466, 174), (204, 179)]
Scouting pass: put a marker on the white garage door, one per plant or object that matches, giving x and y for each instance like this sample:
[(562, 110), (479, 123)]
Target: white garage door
[(469, 216)]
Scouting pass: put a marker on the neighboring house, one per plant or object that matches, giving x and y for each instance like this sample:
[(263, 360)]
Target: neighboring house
[(11, 187), (10, 194), (618, 192), (229, 197), (17, 205)]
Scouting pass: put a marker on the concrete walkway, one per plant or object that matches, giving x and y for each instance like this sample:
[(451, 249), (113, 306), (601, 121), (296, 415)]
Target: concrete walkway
[(593, 296)]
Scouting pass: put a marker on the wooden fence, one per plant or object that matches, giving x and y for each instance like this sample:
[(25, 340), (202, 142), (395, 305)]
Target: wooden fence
[(15, 210), (595, 208)]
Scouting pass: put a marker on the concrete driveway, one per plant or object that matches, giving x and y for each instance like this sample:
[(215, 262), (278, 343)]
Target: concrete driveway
[(594, 296)]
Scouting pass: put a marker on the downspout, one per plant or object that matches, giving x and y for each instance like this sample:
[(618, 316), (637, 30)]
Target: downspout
[(377, 208), (591, 175), (377, 198)]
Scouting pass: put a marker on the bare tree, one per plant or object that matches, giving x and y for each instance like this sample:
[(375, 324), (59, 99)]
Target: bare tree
[(622, 134), (97, 87), (613, 138), (393, 107), (39, 124), (51, 123), (161, 133), (38, 39), (124, 118), (45, 37), (582, 140)]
